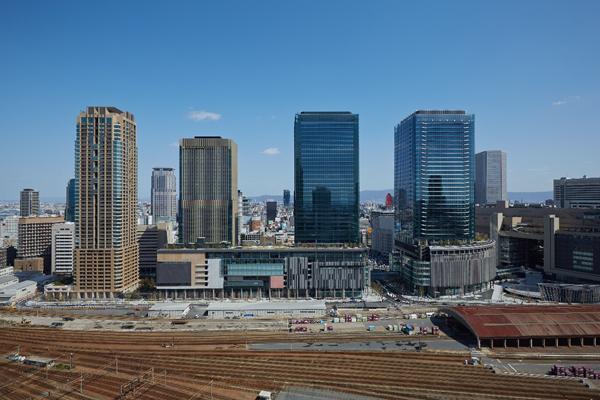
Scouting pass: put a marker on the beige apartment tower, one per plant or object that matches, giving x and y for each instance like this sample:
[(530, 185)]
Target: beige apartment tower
[(106, 249), (208, 190)]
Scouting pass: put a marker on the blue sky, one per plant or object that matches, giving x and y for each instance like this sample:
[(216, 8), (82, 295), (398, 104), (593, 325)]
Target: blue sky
[(528, 70)]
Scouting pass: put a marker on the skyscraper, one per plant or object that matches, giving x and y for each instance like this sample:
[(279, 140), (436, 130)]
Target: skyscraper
[(271, 211), (434, 177), (434, 163), (163, 195), (490, 177), (106, 249), (30, 203), (208, 189), (70, 200), (326, 177), (286, 198)]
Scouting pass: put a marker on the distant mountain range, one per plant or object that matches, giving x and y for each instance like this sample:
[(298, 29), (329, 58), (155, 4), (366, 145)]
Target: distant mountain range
[(378, 196)]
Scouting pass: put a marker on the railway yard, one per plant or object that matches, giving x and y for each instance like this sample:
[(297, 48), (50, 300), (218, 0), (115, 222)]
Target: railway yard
[(204, 364)]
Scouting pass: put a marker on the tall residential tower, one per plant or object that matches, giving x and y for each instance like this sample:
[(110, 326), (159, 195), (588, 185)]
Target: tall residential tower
[(70, 200), (326, 177), (106, 250), (163, 195), (490, 177), (208, 190)]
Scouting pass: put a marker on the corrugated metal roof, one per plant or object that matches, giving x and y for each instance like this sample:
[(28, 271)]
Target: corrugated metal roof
[(526, 321)]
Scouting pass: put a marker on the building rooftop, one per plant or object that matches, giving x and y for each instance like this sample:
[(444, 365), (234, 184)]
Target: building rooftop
[(267, 305), (525, 321), (11, 290), (170, 306)]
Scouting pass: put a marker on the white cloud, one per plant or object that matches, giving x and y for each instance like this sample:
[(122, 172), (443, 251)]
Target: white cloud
[(271, 151), (566, 100), (203, 115)]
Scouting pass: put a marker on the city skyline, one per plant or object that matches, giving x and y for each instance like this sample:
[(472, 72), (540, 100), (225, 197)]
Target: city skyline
[(528, 109)]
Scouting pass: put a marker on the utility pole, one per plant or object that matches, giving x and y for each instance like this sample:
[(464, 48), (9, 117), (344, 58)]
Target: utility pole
[(70, 360)]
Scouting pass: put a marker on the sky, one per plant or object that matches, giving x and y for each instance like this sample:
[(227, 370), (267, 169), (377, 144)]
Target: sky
[(528, 70)]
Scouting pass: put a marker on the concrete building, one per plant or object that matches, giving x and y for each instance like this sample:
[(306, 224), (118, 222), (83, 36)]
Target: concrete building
[(263, 272), (566, 242), (577, 193), (9, 231), (63, 248), (35, 239), (267, 309), (163, 195), (382, 237), (271, 211), (208, 190), (151, 238), (17, 292), (106, 250), (326, 177), (3, 257), (71, 200), (30, 203), (490, 177)]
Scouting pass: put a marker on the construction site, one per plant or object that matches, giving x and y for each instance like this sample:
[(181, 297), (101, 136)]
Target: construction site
[(50, 362)]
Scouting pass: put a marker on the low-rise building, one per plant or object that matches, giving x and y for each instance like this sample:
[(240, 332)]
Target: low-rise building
[(262, 272), (269, 309), (18, 292)]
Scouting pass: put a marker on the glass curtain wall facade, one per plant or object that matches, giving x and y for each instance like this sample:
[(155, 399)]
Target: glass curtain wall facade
[(163, 195), (434, 180), (71, 199), (490, 177), (326, 177)]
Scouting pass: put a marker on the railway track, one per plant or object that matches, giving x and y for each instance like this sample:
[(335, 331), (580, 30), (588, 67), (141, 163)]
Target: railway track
[(203, 363)]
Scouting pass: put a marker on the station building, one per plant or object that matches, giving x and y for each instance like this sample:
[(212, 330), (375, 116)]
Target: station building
[(262, 272)]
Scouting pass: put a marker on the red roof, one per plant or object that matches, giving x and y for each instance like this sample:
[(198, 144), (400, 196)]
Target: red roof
[(525, 321)]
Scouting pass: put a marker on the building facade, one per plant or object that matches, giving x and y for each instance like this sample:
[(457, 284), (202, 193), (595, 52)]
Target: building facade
[(271, 211), (286, 198), (151, 238), (382, 237), (434, 162), (29, 203), (261, 272), (490, 177), (63, 248), (163, 195), (326, 177), (577, 192), (208, 190), (434, 176), (106, 249), (35, 239), (71, 197)]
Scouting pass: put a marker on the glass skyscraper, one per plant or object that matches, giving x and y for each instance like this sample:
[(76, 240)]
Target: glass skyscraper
[(326, 177), (71, 200), (490, 177), (434, 176)]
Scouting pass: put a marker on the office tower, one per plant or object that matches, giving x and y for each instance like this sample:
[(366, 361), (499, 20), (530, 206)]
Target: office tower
[(151, 238), (63, 247), (286, 198), (246, 208), (71, 200), (106, 250), (577, 192), (208, 190), (163, 195), (271, 211), (490, 177), (434, 177), (35, 240), (382, 237), (30, 202), (326, 177)]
